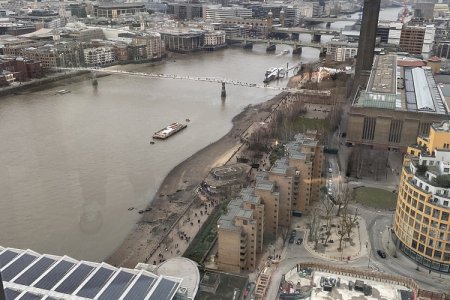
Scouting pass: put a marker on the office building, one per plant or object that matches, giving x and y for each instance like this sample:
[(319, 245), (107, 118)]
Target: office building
[(115, 10), (422, 225), (417, 39), (185, 11)]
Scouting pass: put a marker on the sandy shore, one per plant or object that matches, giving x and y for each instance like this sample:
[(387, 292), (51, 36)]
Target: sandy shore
[(176, 193)]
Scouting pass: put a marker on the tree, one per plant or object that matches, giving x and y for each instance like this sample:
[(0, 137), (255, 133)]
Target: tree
[(343, 198), (328, 206), (314, 226), (350, 223)]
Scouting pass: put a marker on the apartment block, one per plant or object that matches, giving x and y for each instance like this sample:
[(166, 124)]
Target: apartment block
[(237, 238), (99, 56), (306, 157), (422, 223), (282, 176), (417, 39), (270, 197)]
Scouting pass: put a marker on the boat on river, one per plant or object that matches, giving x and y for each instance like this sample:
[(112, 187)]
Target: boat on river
[(169, 131), (62, 92)]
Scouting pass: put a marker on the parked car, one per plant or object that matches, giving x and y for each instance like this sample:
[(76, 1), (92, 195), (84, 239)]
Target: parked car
[(293, 232), (291, 240), (299, 241), (381, 253)]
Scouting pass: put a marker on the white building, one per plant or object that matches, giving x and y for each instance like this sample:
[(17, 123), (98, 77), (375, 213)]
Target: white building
[(395, 31), (98, 56), (214, 38), (309, 9), (341, 50), (218, 13)]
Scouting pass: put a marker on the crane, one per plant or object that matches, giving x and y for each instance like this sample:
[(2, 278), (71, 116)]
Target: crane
[(404, 13)]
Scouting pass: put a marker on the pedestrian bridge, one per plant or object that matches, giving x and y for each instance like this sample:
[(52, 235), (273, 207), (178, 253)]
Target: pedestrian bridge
[(322, 93)]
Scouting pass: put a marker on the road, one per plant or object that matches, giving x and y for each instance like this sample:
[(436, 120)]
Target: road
[(378, 225)]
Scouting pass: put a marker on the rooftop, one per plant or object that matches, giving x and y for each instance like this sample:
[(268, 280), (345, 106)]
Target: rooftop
[(31, 275), (235, 210), (442, 126), (402, 85)]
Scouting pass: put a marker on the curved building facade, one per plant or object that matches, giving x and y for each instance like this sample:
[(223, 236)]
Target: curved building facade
[(422, 225)]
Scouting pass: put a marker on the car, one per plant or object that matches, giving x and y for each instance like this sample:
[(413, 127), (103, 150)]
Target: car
[(381, 253), (299, 241), (293, 232), (291, 240), (330, 170)]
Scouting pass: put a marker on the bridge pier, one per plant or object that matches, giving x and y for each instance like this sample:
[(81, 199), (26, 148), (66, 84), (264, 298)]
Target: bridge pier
[(297, 49), (271, 47), (316, 38), (323, 52), (223, 94), (247, 45)]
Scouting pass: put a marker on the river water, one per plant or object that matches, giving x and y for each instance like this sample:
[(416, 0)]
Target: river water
[(73, 164)]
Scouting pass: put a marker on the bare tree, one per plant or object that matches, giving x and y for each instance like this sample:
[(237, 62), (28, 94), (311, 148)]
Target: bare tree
[(314, 226), (351, 221), (328, 209), (343, 198)]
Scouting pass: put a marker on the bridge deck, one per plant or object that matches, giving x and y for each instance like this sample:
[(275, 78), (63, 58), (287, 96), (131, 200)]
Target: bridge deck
[(279, 42), (204, 79)]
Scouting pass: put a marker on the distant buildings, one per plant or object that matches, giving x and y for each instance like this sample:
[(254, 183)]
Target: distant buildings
[(341, 49), (185, 41), (256, 215), (186, 11), (422, 216), (417, 39), (19, 70), (400, 102), (98, 56), (115, 10), (220, 13)]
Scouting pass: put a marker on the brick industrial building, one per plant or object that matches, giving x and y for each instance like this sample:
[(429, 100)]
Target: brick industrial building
[(399, 103)]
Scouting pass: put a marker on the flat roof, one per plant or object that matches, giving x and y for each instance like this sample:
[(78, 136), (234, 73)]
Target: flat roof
[(402, 87), (40, 275), (383, 77)]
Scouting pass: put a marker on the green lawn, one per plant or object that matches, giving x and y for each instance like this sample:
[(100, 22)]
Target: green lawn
[(374, 197), (303, 124)]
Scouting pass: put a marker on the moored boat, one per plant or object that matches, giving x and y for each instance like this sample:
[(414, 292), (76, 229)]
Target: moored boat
[(169, 131), (63, 92)]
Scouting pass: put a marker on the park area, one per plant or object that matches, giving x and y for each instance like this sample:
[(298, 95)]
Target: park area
[(375, 197)]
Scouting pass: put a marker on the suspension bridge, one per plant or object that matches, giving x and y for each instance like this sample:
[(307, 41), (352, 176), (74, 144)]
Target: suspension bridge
[(222, 81)]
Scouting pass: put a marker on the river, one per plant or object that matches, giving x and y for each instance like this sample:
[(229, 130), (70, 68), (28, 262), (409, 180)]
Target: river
[(73, 164)]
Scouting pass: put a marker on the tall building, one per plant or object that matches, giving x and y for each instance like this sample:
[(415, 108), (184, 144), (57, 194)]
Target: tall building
[(254, 218), (306, 165), (422, 225), (237, 235), (367, 39), (417, 39)]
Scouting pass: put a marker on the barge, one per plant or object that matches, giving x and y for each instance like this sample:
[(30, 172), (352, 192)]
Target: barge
[(169, 131)]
